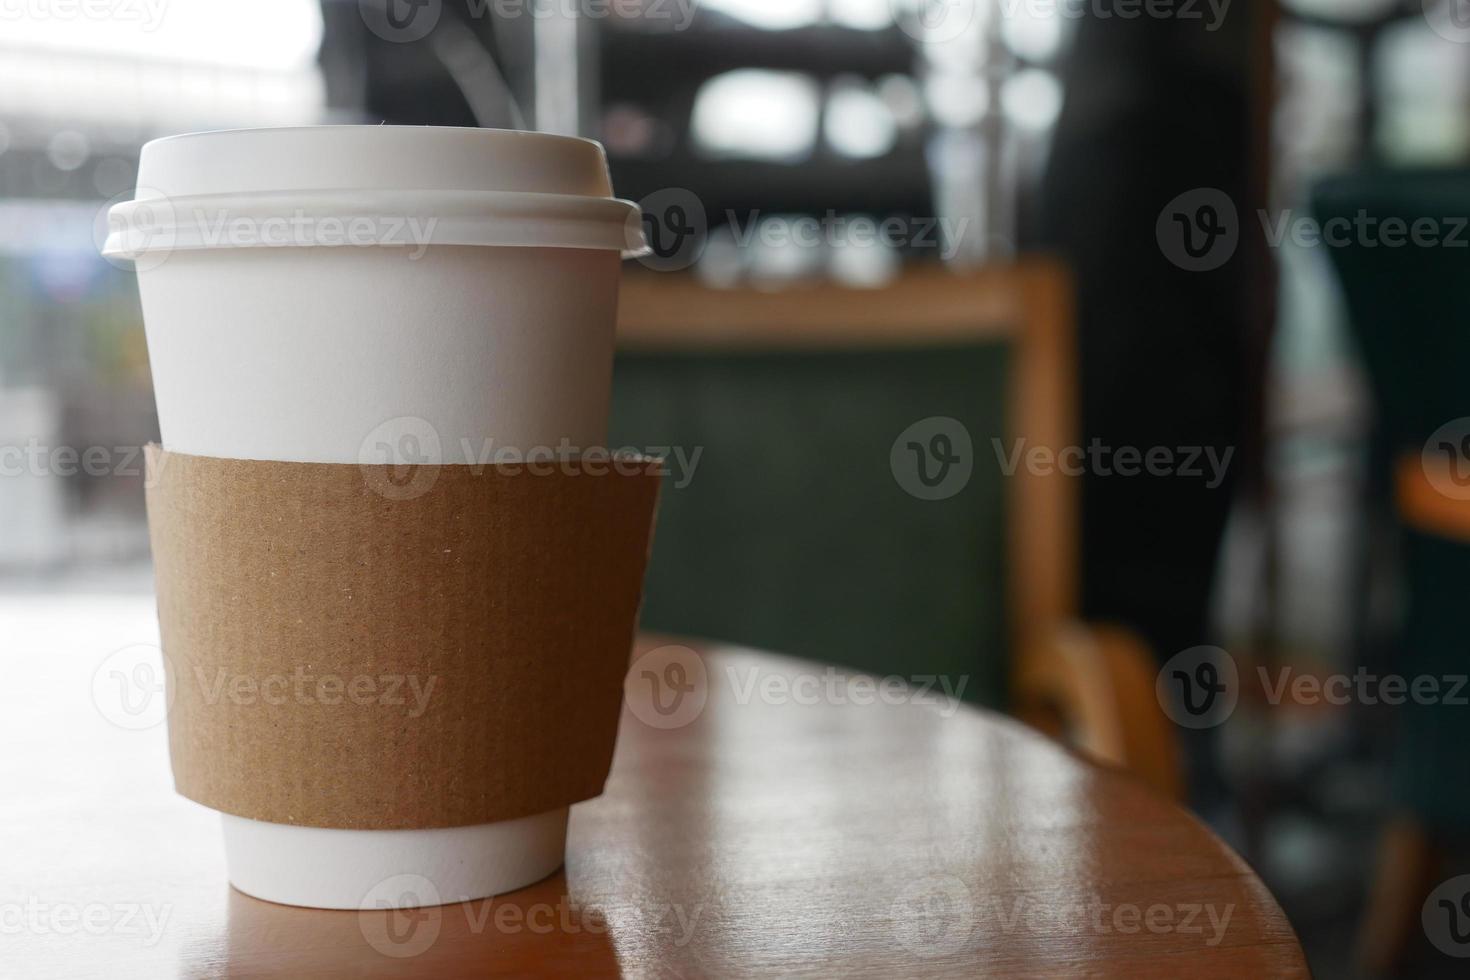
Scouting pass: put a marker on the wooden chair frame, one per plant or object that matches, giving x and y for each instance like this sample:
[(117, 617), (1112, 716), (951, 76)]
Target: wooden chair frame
[(1091, 686)]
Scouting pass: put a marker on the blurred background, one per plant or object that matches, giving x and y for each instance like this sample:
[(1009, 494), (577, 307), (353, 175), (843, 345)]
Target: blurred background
[(894, 240)]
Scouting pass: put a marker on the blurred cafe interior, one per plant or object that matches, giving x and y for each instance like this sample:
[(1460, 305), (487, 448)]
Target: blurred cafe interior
[(1049, 345)]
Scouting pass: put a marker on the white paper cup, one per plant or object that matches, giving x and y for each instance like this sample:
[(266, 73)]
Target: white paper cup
[(344, 294)]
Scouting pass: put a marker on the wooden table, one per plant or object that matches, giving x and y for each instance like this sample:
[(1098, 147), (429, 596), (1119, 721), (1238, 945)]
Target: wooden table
[(759, 834)]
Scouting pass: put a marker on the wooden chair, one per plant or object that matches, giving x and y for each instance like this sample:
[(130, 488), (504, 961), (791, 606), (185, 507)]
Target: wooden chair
[(796, 534)]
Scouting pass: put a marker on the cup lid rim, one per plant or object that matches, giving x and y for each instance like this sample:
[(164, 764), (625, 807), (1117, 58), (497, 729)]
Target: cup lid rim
[(277, 159), (319, 127), (480, 186)]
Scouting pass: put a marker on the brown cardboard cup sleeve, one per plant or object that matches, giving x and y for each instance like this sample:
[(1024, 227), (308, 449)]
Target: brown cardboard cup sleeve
[(341, 656)]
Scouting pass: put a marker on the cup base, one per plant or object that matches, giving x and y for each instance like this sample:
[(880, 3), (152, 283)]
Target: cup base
[(325, 868)]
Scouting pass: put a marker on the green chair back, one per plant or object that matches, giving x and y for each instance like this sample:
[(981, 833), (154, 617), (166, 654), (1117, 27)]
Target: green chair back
[(1408, 306), (793, 532), (1410, 313)]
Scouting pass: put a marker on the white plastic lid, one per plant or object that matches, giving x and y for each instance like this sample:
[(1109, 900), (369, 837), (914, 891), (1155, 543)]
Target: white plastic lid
[(372, 185)]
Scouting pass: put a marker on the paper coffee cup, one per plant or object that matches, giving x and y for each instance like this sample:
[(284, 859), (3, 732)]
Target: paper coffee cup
[(379, 294)]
